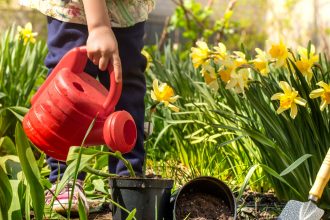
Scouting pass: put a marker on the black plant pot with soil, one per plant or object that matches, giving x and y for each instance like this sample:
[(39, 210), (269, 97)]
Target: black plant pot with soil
[(204, 198), (150, 197)]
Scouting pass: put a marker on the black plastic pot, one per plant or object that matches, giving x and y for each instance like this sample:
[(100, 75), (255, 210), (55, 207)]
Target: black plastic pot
[(206, 185), (150, 197)]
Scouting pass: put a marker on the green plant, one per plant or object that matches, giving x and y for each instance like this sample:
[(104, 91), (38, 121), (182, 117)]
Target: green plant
[(193, 18), (187, 138), (21, 67), (21, 176), (197, 21), (21, 71), (232, 22), (291, 145)]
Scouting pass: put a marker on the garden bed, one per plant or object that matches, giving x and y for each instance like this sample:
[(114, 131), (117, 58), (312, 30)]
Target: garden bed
[(252, 206)]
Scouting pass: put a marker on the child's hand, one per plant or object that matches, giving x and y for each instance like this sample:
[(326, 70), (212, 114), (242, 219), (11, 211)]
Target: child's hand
[(102, 48)]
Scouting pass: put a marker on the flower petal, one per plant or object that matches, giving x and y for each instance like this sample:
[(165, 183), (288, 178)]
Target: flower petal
[(173, 99), (155, 86), (322, 84), (323, 105), (153, 96), (173, 108), (300, 101), (316, 93), (280, 110), (277, 96), (294, 111), (203, 45), (285, 87)]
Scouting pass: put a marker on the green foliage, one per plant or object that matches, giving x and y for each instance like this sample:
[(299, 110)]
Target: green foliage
[(240, 138), (21, 71), (5, 194), (21, 68), (232, 22), (291, 150), (197, 136), (194, 19), (31, 173)]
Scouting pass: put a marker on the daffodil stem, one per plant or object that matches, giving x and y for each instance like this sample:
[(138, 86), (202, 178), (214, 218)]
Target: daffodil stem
[(151, 110), (91, 170)]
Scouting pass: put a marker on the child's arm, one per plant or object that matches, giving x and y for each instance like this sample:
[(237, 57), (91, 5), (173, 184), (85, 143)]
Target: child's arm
[(101, 45)]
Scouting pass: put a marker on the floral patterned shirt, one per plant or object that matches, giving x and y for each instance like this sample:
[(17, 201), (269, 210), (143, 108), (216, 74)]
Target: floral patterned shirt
[(123, 13)]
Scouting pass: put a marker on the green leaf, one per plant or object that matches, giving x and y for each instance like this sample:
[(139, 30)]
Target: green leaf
[(31, 171), (2, 95), (295, 164), (50, 214), (99, 185), (82, 210), (246, 180), (276, 175), (15, 207), (263, 139), (70, 171), (18, 111), (6, 194), (87, 152), (131, 215), (22, 196), (11, 165), (7, 146)]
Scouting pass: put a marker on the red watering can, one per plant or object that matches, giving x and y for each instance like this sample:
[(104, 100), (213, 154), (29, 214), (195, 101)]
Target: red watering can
[(66, 104)]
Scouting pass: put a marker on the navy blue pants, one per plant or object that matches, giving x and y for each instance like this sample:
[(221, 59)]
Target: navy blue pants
[(64, 36)]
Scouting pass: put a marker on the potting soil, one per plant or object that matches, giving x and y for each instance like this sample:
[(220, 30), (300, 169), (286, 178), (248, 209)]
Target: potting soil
[(200, 206)]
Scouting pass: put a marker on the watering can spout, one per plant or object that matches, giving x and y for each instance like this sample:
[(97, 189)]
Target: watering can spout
[(118, 132), (67, 103)]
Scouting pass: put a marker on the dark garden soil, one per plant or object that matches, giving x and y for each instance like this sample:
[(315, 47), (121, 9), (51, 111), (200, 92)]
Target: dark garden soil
[(200, 206), (252, 206), (206, 207)]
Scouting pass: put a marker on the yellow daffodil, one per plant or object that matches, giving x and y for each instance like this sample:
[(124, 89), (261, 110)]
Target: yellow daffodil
[(238, 80), (26, 33), (288, 100), (261, 62), (148, 57), (200, 54), (239, 58), (303, 53), (230, 63), (164, 94), (306, 61), (220, 53), (323, 92), (210, 76), (224, 73), (305, 67), (279, 52)]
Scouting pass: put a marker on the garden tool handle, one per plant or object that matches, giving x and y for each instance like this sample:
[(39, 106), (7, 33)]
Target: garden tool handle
[(75, 60), (321, 180)]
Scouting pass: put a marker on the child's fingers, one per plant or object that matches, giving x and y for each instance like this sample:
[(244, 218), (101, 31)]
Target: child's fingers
[(117, 67), (103, 63), (95, 58)]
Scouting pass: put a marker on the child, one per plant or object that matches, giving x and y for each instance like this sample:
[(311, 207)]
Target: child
[(113, 32)]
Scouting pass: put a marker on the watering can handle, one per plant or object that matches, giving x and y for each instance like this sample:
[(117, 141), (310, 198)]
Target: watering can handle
[(75, 60)]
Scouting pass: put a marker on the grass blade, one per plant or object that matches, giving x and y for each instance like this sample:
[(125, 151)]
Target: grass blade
[(31, 171)]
